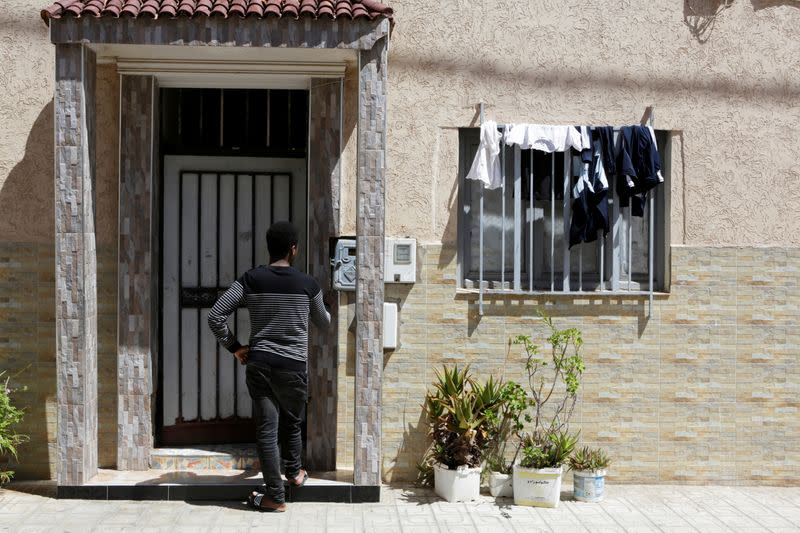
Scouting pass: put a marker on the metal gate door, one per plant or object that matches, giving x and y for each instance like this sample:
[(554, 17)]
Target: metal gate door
[(215, 224)]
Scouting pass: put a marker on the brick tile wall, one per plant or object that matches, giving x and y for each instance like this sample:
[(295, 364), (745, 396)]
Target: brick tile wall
[(704, 391)]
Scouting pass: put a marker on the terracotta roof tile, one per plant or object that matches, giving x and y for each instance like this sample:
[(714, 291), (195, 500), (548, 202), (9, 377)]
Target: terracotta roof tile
[(350, 9)]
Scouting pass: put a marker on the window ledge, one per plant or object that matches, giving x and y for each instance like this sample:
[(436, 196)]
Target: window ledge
[(474, 294)]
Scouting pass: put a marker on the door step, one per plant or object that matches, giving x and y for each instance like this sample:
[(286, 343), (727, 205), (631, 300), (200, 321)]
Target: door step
[(214, 485), (206, 457)]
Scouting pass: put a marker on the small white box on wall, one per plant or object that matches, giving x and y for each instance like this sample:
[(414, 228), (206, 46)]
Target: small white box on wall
[(400, 261), (390, 326)]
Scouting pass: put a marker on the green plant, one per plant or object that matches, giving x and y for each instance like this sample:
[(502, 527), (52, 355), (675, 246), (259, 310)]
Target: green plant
[(509, 422), (553, 394), (9, 417), (589, 459), (549, 451), (462, 414)]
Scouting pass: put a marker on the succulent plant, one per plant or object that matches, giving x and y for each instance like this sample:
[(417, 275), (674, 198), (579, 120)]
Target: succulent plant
[(463, 415), (589, 459)]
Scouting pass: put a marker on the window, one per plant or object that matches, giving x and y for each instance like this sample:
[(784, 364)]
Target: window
[(526, 229)]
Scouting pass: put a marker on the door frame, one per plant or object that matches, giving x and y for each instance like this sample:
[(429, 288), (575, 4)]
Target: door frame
[(323, 176)]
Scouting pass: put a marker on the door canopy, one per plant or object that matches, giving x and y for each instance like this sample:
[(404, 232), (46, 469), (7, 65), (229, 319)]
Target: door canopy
[(293, 9)]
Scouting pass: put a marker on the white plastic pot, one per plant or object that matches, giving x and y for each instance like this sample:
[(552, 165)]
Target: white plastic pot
[(589, 485), (500, 485), (461, 485), (537, 487)]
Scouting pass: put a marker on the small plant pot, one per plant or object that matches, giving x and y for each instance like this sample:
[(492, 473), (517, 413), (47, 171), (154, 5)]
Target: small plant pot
[(537, 487), (500, 485), (460, 485), (589, 485)]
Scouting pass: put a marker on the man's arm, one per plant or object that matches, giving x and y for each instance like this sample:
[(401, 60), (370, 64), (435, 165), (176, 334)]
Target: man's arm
[(319, 314), (230, 300)]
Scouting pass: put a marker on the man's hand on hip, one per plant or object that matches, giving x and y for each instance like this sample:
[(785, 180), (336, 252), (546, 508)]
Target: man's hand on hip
[(241, 354)]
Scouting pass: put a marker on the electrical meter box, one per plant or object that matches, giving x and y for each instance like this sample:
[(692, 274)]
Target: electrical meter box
[(344, 265), (400, 256), (400, 263)]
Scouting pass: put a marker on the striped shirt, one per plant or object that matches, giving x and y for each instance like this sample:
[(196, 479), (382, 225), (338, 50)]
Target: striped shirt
[(280, 301)]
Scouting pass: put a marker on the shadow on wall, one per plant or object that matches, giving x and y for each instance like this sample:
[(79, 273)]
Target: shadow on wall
[(549, 77), (764, 4), (560, 306), (450, 235), (26, 197), (27, 293), (700, 16), (412, 448)]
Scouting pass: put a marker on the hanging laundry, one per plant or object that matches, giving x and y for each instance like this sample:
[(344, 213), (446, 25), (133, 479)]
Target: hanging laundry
[(605, 135), (544, 138), (638, 167), (590, 193), (486, 165)]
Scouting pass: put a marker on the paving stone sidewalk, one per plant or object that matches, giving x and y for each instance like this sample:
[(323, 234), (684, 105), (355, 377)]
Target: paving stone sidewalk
[(407, 509)]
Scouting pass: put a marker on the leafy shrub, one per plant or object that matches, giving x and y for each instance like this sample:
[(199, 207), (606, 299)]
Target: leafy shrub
[(553, 382), (10, 416), (510, 421)]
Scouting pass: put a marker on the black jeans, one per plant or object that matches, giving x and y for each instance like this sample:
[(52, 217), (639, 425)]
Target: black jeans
[(279, 402)]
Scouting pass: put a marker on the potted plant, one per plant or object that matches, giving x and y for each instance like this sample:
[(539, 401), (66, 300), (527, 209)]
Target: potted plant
[(537, 477), (512, 414), (460, 414), (589, 474), (553, 384)]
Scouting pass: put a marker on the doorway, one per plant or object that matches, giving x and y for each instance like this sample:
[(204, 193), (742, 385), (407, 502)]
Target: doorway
[(234, 161)]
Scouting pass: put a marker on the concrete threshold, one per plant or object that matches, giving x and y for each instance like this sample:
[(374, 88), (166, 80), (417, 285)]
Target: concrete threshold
[(214, 485)]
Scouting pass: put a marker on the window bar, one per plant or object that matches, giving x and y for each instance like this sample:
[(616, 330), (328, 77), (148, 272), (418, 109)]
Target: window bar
[(580, 268), (503, 211), (630, 247), (602, 239), (651, 220), (566, 215), (552, 222), (269, 110), (616, 234), (530, 225), (480, 245), (517, 218)]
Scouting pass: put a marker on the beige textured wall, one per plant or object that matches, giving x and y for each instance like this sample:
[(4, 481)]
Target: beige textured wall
[(736, 98), (706, 390), (27, 263)]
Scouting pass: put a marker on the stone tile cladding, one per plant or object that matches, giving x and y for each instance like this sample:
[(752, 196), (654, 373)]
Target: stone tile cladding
[(76, 264), (705, 391), (137, 332)]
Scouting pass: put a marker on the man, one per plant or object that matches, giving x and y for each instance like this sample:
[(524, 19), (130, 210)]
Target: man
[(280, 300)]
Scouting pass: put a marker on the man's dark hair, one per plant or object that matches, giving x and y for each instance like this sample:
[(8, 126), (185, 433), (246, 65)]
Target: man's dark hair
[(281, 236)]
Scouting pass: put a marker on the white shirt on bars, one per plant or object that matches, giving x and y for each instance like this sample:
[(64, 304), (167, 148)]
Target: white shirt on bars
[(545, 138), (486, 165)]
